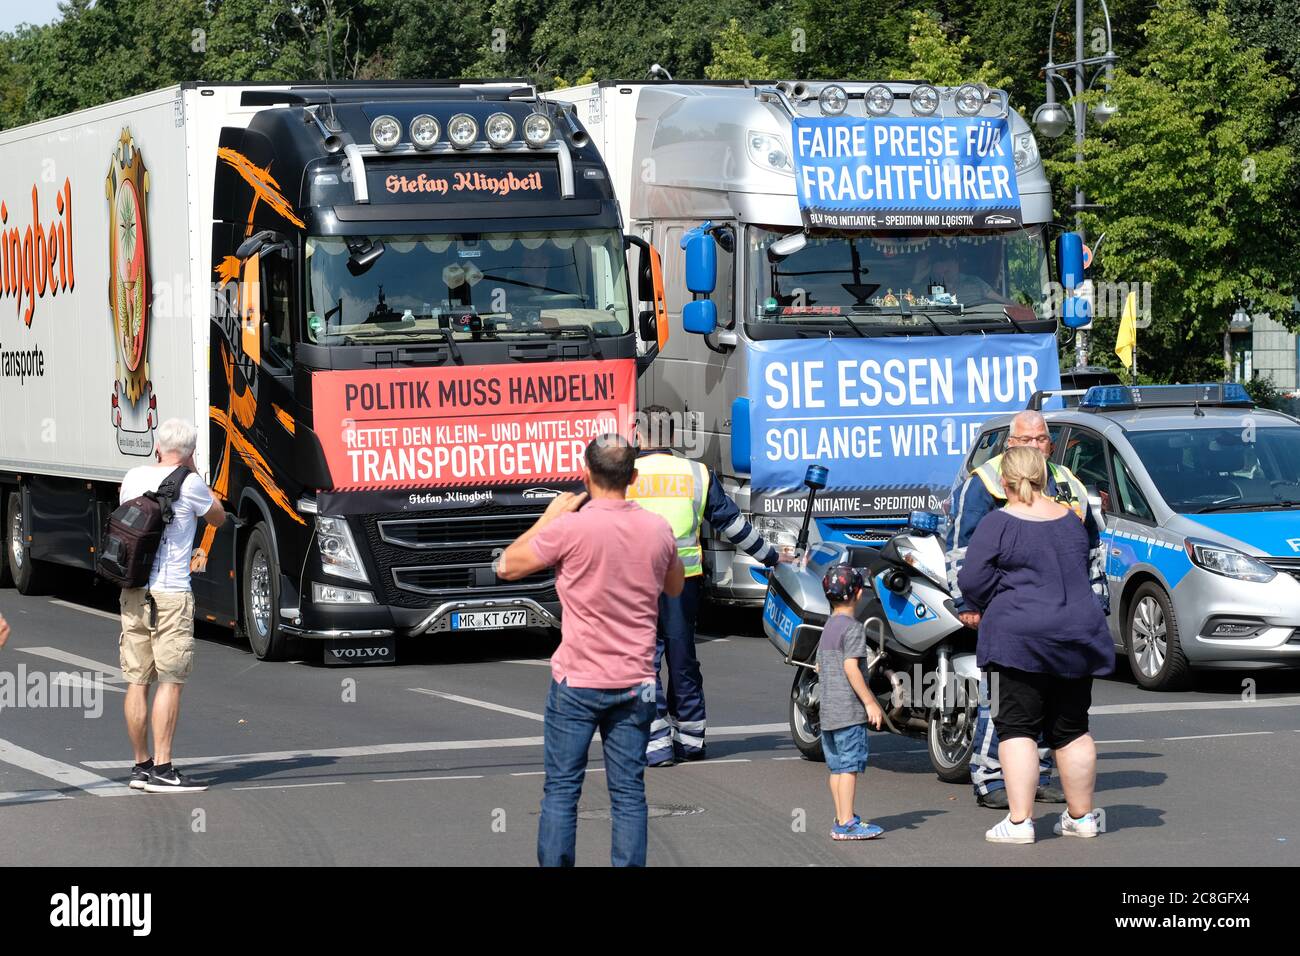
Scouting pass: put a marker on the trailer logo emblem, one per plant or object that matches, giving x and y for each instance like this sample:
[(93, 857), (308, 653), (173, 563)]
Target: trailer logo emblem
[(135, 407)]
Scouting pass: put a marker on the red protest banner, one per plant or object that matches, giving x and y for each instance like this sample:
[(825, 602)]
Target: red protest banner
[(456, 427)]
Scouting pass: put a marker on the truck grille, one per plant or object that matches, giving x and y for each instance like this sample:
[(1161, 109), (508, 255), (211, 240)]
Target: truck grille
[(429, 559)]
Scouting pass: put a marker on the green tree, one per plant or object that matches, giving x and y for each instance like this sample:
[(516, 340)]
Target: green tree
[(938, 58), (734, 58), (1194, 184)]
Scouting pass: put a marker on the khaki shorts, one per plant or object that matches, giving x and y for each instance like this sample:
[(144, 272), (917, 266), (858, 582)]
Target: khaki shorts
[(163, 653)]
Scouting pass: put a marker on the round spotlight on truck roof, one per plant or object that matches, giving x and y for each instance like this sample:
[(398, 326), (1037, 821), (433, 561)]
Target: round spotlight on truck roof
[(969, 99), (833, 100), (424, 131), (538, 130), (385, 132), (500, 129), (925, 100), (462, 130), (879, 100)]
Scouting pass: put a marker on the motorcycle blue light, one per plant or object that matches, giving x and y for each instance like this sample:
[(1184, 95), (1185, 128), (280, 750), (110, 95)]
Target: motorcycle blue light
[(816, 476), (924, 521)]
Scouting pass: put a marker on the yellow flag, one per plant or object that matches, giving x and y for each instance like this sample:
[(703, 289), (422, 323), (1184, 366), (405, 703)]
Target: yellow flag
[(1126, 340)]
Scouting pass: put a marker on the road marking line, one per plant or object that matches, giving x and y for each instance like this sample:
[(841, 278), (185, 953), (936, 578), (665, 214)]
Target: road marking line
[(538, 663), (787, 758), (1195, 705), (529, 773), (111, 672), (1119, 741), (476, 776), (485, 704), (64, 773), (293, 786), (1249, 733), (108, 615), (69, 679), (379, 750), (32, 796), (705, 763)]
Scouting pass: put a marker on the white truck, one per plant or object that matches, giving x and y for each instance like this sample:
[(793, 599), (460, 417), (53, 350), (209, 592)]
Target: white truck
[(867, 266), (397, 312)]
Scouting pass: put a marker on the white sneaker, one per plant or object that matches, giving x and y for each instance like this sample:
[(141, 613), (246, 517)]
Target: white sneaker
[(1008, 832), (1087, 827)]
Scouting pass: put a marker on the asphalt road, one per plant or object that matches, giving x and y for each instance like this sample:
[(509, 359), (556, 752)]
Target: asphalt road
[(438, 761)]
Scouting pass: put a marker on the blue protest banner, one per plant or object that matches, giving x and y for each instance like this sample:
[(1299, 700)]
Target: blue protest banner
[(905, 173), (891, 418)]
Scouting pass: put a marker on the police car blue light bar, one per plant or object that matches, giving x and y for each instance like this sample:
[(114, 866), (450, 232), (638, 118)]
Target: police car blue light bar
[(1111, 397)]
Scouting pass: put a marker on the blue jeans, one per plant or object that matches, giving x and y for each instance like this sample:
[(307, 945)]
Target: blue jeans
[(573, 715)]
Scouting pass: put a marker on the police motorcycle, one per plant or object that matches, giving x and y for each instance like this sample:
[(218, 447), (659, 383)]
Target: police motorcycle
[(921, 663)]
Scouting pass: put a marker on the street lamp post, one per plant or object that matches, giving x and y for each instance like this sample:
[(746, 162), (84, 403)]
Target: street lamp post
[(1051, 119)]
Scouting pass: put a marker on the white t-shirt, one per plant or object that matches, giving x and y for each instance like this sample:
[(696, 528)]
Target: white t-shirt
[(171, 568)]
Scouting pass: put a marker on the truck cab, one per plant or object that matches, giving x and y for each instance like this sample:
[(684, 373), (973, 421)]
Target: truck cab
[(708, 174)]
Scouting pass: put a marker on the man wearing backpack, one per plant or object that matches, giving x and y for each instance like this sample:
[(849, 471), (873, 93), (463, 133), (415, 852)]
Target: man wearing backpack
[(158, 619)]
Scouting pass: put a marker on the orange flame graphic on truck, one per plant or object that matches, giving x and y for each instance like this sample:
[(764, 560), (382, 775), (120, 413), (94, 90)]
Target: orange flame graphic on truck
[(265, 186)]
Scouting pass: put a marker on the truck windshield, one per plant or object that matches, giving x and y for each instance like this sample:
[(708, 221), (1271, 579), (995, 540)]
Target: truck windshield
[(1221, 469), (881, 279), (376, 289)]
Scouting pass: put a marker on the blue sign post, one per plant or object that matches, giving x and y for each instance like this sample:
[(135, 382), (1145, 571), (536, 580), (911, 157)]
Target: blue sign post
[(891, 418), (897, 173)]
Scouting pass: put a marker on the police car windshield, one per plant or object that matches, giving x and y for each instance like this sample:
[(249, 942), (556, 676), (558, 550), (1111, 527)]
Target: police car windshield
[(1219, 469), (875, 278)]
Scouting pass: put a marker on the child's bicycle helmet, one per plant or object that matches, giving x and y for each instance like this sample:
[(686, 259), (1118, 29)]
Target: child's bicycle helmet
[(842, 582)]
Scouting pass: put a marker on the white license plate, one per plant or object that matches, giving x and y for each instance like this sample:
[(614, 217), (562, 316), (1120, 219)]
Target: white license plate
[(488, 620)]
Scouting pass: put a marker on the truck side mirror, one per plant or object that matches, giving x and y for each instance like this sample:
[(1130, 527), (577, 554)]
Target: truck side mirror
[(701, 262), (250, 308), (1069, 259)]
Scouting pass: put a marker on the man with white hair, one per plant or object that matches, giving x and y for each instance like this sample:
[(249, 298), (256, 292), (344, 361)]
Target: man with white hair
[(980, 493), (158, 619)]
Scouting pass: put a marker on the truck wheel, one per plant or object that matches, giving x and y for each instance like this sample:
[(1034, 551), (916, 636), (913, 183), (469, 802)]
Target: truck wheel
[(1155, 651), (29, 576), (260, 588), (6, 579), (805, 722)]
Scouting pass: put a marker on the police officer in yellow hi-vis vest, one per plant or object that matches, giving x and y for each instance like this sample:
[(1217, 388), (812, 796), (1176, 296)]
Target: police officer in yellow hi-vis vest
[(685, 494), (979, 494)]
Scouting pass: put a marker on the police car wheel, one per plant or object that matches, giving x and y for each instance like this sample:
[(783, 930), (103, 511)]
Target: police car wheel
[(1155, 652), (804, 725)]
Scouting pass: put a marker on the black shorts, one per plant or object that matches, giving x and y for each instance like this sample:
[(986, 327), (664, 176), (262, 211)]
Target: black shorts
[(1026, 704)]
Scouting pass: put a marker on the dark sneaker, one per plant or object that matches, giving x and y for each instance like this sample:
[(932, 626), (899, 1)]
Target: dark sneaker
[(170, 780), (140, 775), (1050, 795), (994, 799)]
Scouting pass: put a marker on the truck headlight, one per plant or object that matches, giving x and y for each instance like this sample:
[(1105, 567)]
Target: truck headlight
[(424, 131), (338, 552), (385, 132), (924, 100), (462, 130), (333, 594), (833, 100), (775, 531), (538, 130), (500, 129), (769, 151), (1227, 561), (879, 100), (969, 99)]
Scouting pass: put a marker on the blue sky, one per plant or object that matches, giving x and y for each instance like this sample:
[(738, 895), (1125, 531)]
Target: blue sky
[(14, 12)]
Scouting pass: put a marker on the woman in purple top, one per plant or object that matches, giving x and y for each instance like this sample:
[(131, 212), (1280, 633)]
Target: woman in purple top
[(1042, 638)]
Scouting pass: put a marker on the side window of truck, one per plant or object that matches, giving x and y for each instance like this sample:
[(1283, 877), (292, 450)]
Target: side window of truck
[(277, 311)]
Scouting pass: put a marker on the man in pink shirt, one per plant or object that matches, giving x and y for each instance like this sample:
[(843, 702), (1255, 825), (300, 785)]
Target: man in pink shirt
[(612, 560)]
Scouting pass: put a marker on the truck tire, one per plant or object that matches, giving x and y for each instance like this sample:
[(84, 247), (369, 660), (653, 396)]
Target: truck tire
[(259, 585), (1155, 651), (29, 576), (805, 729)]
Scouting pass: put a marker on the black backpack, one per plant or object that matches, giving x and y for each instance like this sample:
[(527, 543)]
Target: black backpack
[(135, 533)]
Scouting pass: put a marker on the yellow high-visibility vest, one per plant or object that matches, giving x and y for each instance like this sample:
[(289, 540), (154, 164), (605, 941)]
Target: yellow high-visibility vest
[(677, 490), (990, 473)]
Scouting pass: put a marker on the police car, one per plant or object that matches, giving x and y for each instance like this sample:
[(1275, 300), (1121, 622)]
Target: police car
[(1200, 492)]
